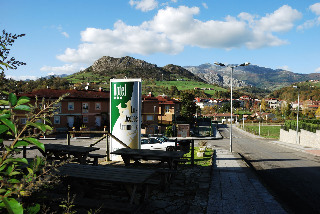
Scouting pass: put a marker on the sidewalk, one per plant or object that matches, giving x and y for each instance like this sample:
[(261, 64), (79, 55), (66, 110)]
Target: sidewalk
[(297, 147), (235, 189)]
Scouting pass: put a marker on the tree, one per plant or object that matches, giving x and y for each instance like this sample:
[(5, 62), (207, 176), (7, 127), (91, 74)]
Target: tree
[(188, 108), (173, 91), (263, 105), (317, 114), (6, 40), (285, 109), (19, 177)]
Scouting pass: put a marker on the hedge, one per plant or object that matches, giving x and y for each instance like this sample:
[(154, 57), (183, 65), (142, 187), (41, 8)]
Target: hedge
[(309, 125)]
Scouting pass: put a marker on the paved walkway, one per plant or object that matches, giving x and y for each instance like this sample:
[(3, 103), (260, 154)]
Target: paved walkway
[(235, 188)]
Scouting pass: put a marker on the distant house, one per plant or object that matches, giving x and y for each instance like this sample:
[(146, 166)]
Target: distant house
[(224, 117), (273, 103), (88, 109)]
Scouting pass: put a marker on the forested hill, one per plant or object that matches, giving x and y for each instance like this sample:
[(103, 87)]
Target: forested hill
[(129, 67)]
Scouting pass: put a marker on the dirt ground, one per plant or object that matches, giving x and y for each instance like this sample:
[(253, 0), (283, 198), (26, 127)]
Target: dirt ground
[(186, 193)]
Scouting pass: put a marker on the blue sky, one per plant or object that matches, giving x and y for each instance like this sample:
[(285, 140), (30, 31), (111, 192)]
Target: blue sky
[(63, 37)]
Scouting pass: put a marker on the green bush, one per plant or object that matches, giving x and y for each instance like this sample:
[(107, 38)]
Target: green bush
[(308, 125)]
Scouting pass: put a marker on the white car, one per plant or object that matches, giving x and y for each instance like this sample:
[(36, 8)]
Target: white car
[(154, 143)]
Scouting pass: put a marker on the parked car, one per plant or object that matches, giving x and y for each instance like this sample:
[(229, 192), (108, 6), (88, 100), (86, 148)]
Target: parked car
[(155, 143)]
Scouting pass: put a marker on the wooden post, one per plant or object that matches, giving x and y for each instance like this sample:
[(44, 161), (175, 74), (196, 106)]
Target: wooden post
[(24, 151), (68, 138), (176, 144), (108, 148), (192, 152)]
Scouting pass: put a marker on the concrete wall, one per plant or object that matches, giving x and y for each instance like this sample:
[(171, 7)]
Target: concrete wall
[(306, 138)]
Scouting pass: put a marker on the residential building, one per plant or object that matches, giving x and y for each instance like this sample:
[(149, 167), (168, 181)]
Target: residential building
[(86, 109), (273, 103), (224, 117), (157, 113)]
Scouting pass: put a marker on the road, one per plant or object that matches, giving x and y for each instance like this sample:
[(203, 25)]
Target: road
[(292, 176)]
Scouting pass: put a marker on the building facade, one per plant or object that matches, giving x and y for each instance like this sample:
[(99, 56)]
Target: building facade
[(87, 110), (158, 113)]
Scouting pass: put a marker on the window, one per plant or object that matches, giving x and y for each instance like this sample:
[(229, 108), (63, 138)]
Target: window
[(149, 117), (70, 106), (85, 107), (85, 119), (57, 107), (98, 120), (98, 106), (56, 119), (167, 108), (23, 120)]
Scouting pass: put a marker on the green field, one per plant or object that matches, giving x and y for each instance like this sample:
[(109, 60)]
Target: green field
[(265, 131), (190, 85)]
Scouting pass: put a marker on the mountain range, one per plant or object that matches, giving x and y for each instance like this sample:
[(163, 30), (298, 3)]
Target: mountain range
[(251, 75)]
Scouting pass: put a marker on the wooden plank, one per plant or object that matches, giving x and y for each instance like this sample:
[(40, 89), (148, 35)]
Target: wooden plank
[(111, 174)]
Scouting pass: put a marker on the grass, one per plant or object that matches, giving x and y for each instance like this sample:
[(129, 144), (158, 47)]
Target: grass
[(265, 131), (188, 85), (206, 160)]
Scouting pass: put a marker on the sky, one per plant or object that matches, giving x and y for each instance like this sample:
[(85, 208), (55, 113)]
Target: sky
[(64, 37)]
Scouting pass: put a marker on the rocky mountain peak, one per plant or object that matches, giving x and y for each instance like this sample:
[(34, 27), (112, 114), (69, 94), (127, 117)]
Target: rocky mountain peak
[(123, 63)]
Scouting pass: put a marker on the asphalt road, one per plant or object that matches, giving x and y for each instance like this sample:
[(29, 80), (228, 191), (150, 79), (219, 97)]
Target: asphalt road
[(293, 177)]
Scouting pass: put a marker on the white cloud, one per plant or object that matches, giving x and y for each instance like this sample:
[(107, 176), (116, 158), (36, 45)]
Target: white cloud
[(60, 29), (171, 29), (317, 70), (65, 34), (285, 68), (315, 8), (205, 5), (281, 20), (144, 5), (65, 69)]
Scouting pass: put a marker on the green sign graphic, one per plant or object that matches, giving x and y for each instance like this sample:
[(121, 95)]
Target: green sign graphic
[(125, 103)]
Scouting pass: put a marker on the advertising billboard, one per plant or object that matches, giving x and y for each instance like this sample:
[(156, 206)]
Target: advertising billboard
[(125, 113)]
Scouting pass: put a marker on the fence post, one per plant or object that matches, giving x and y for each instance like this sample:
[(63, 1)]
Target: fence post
[(68, 138), (108, 148), (24, 151), (192, 152)]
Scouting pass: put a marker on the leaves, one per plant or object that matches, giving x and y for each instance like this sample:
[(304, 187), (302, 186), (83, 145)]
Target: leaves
[(6, 116), (35, 142), (3, 128), (13, 206), (16, 160), (34, 209), (22, 108), (21, 143), (40, 126), (12, 99), (23, 100), (4, 102), (9, 124)]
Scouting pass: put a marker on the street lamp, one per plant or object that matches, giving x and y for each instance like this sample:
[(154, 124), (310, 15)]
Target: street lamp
[(232, 67), (154, 118), (259, 119), (297, 135)]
